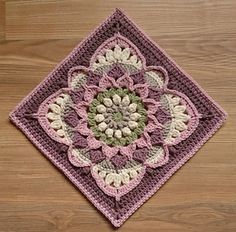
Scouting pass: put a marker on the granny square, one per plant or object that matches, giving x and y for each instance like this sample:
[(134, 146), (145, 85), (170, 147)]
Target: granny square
[(118, 117)]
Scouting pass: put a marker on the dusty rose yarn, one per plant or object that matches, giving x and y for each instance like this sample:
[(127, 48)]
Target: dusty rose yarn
[(118, 117)]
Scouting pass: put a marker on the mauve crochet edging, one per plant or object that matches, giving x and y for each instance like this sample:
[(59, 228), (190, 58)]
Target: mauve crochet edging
[(117, 222)]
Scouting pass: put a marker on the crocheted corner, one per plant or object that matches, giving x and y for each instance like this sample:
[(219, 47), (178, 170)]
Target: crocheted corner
[(118, 117)]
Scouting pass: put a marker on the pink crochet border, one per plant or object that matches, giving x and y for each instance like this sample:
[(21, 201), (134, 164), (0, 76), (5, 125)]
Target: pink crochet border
[(117, 223)]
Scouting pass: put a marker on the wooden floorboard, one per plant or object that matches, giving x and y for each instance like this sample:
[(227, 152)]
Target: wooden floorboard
[(36, 35), (72, 19), (2, 20)]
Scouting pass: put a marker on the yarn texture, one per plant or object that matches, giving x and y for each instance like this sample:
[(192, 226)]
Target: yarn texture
[(118, 117)]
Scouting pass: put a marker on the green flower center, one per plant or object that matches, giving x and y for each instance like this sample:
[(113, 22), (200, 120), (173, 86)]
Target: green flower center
[(117, 116)]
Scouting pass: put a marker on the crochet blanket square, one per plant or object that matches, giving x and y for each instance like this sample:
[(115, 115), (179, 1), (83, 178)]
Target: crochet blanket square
[(118, 117)]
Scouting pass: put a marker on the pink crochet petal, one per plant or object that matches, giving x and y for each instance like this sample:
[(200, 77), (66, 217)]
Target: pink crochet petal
[(116, 71), (79, 141), (77, 96), (140, 155), (93, 143), (93, 78), (119, 161), (153, 124), (125, 81), (128, 150), (96, 156), (142, 90), (71, 118), (163, 115), (109, 151), (155, 93), (81, 109), (152, 105), (143, 141), (156, 137), (107, 82), (90, 92), (82, 127), (138, 78)]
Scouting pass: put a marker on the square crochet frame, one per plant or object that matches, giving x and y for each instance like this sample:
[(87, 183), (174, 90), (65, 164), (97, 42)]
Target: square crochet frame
[(211, 117)]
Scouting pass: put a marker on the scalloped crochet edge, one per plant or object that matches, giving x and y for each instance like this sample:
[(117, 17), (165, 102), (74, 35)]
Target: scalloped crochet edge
[(116, 223)]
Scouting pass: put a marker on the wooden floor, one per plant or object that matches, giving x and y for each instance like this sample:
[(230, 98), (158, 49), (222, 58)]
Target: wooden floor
[(36, 35)]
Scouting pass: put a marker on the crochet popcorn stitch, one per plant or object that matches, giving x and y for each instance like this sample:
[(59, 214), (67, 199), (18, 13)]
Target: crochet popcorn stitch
[(118, 117)]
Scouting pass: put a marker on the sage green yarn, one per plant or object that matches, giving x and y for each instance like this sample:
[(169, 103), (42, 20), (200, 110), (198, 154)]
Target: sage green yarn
[(117, 118)]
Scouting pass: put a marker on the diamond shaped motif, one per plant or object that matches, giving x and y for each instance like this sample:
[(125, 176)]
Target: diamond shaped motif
[(118, 117)]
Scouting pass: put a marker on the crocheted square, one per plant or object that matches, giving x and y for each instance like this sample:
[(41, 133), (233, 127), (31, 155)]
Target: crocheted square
[(118, 117)]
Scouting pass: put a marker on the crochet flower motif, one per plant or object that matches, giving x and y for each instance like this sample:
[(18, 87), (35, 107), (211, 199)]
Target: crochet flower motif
[(118, 117)]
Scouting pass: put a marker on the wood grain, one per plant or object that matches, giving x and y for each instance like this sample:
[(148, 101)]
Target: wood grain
[(2, 20), (36, 35)]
